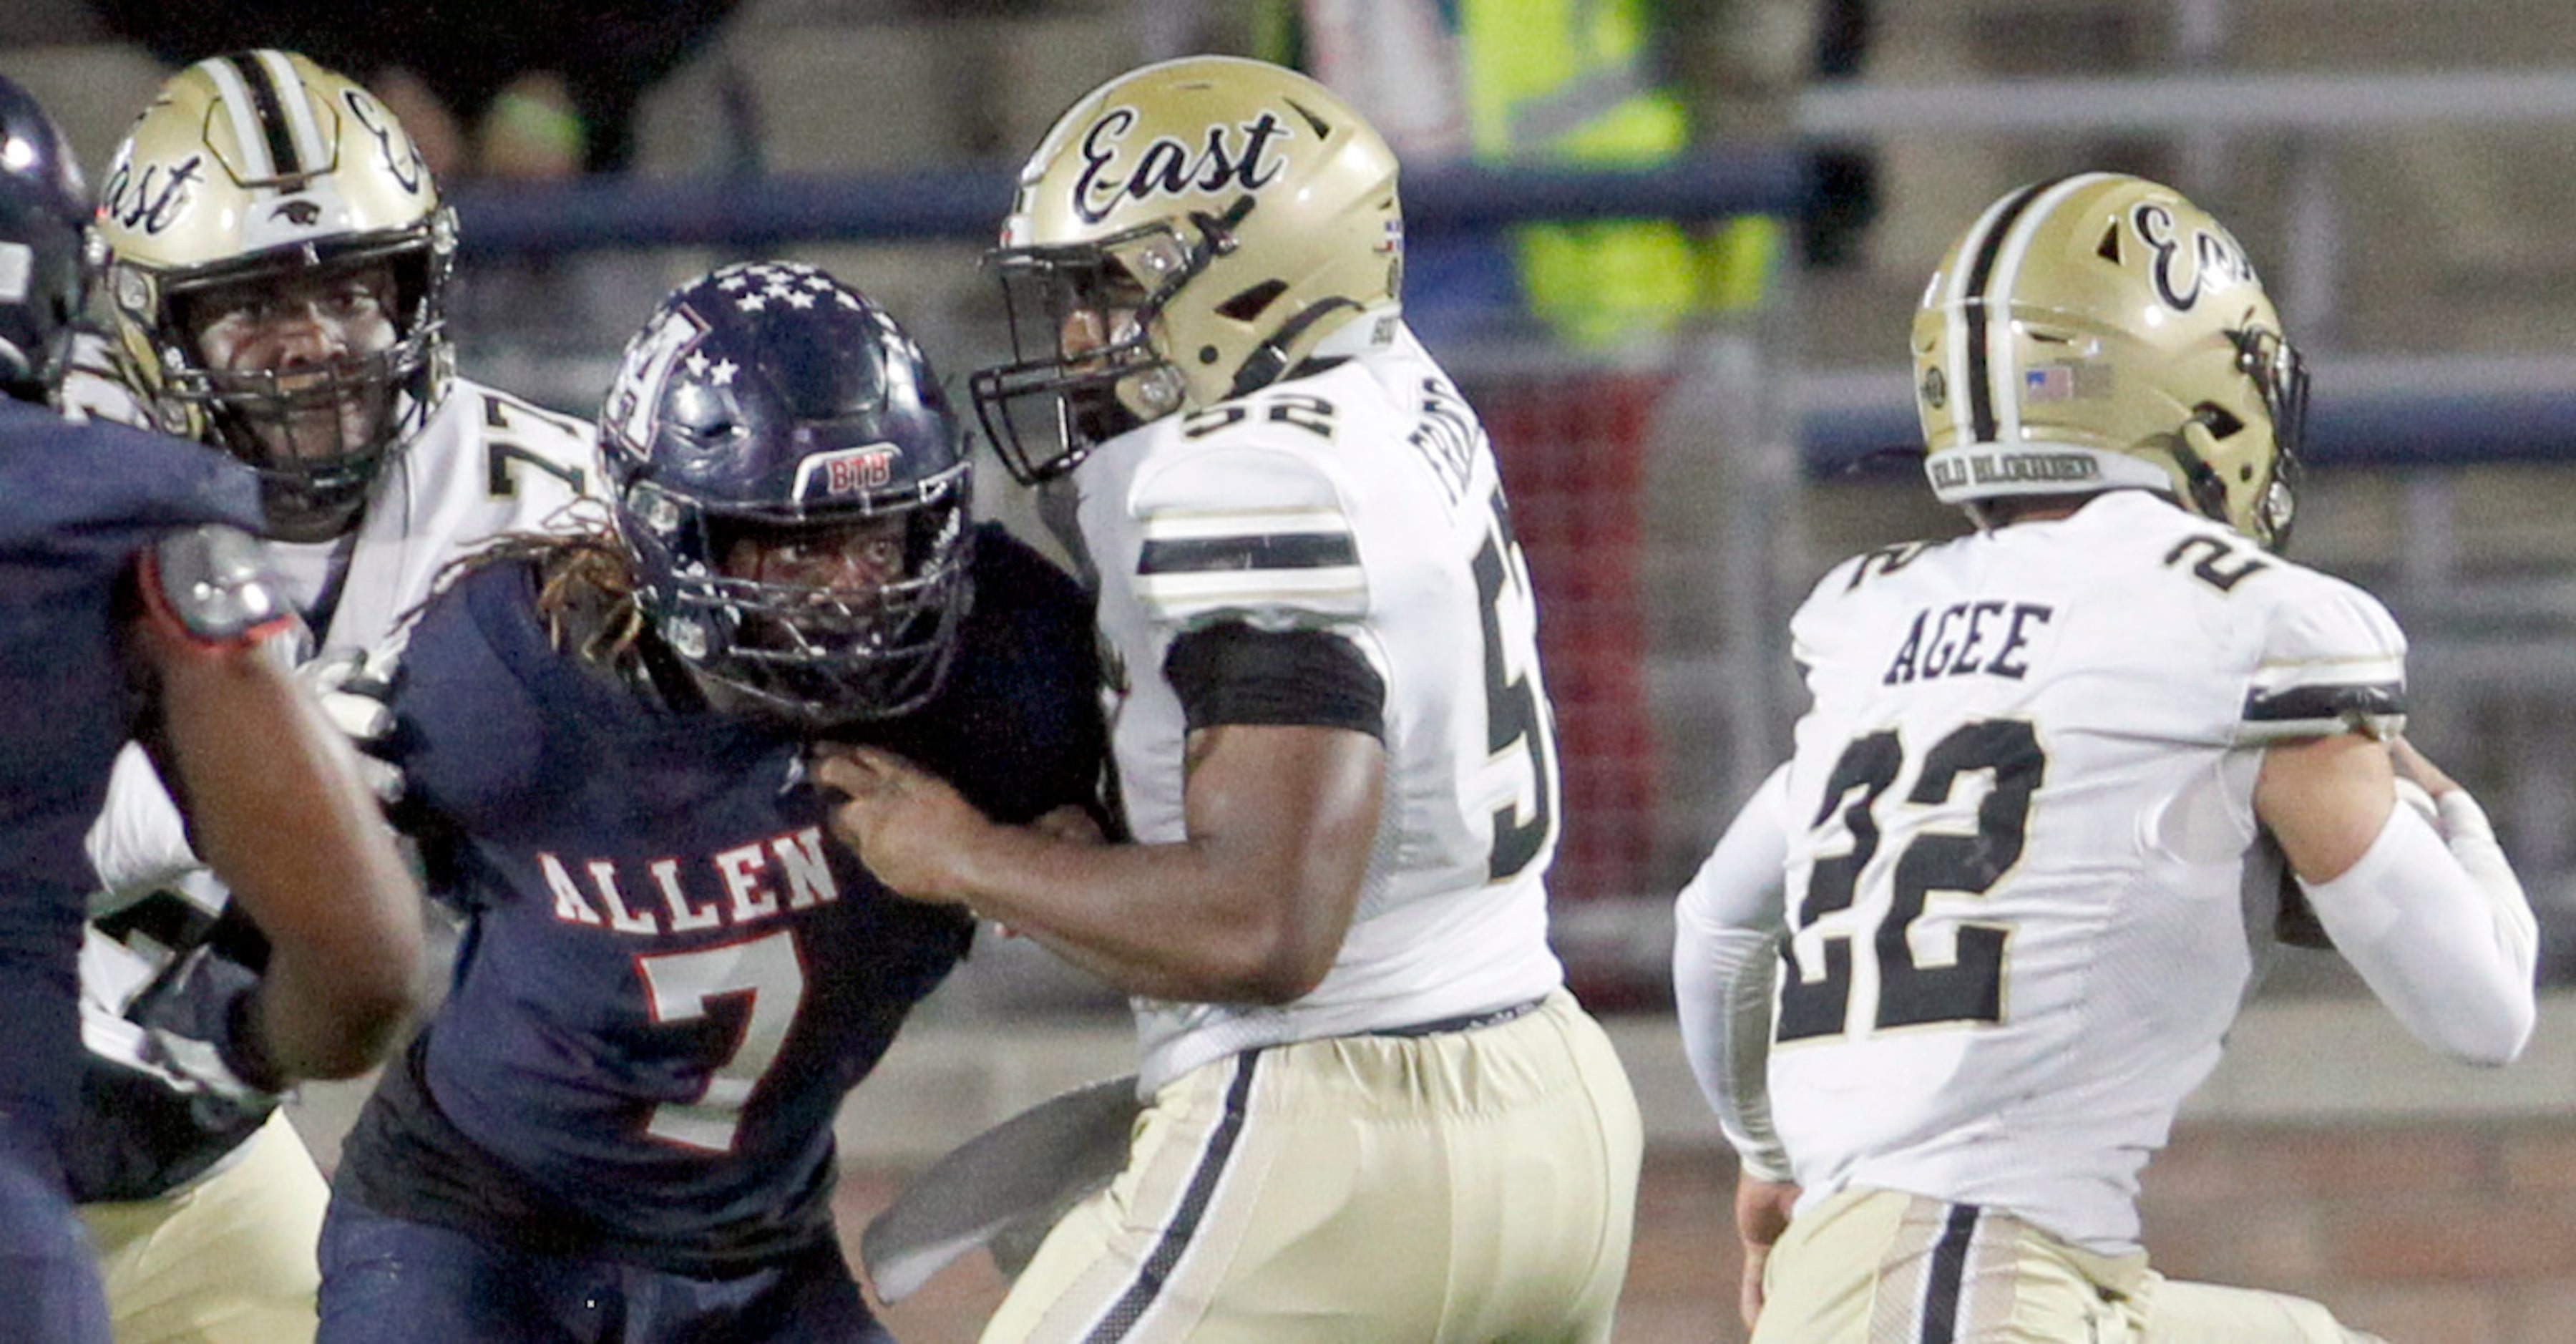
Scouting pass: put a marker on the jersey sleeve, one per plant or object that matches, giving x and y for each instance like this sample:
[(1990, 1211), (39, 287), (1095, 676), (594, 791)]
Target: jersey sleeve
[(488, 466), (1251, 533), (2332, 661), (1817, 628), (452, 727), (1060, 656), (146, 484)]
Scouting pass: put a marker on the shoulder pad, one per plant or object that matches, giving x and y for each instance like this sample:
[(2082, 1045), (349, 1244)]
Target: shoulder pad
[(1246, 531), (1820, 614), (213, 584), (2333, 661), (1238, 476), (524, 443)]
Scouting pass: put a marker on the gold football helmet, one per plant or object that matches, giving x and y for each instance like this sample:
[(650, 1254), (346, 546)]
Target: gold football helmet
[(257, 169), (2102, 331), (1188, 233)]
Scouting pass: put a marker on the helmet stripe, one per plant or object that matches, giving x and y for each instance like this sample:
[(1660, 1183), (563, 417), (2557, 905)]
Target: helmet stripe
[(241, 108), (267, 132), (310, 148), (1980, 344), (1969, 342), (2014, 246)]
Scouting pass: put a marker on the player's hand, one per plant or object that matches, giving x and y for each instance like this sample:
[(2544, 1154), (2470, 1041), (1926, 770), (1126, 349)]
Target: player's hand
[(1070, 824), (905, 823), (1761, 1215), (353, 686)]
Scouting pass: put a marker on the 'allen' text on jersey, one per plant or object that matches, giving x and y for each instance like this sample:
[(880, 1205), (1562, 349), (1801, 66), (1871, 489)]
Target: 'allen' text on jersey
[(747, 899)]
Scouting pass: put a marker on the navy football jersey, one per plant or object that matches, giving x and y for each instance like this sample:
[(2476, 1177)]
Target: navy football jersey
[(77, 502), (672, 973)]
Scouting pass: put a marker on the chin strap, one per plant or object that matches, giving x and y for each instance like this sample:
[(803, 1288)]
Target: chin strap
[(2208, 492), (1269, 360)]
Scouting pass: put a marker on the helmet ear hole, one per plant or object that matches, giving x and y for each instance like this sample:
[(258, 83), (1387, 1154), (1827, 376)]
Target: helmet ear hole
[(1251, 302), (2222, 423)]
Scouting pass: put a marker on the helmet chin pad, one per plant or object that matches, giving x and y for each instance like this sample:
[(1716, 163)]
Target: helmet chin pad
[(2256, 502), (1152, 394)]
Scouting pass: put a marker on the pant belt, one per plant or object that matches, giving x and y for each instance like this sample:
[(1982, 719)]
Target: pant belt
[(1468, 1022)]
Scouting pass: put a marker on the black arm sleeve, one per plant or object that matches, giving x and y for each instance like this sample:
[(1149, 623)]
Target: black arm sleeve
[(1232, 673)]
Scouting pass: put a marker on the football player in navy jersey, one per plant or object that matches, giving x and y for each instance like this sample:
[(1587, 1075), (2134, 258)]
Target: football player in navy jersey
[(619, 1124), (130, 607)]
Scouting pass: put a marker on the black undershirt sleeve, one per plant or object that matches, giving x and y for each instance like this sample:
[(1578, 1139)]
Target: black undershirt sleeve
[(1230, 672)]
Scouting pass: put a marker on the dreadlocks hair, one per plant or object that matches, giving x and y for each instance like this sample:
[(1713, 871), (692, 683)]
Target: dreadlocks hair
[(585, 583)]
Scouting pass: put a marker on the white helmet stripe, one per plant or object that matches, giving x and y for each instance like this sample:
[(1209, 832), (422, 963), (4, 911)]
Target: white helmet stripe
[(1953, 301), (2005, 390), (312, 152), (243, 110)]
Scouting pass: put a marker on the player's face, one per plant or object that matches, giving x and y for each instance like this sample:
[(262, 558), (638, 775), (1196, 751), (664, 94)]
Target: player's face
[(1101, 311), (852, 560), (1108, 315), (296, 327), (1087, 331)]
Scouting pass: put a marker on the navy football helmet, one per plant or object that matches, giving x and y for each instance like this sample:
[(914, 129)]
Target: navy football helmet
[(43, 205), (768, 407)]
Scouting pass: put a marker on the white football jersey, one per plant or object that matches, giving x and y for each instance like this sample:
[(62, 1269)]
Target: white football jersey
[(1361, 500), (486, 464), (2018, 905)]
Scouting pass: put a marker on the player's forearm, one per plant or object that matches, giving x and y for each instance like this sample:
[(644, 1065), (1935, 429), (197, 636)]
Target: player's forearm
[(1722, 982), (1250, 907), (1727, 926), (278, 814), (2448, 951), (314, 1022), (1169, 921)]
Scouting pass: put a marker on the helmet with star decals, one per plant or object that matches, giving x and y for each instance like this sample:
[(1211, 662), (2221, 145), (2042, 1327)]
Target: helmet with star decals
[(792, 489)]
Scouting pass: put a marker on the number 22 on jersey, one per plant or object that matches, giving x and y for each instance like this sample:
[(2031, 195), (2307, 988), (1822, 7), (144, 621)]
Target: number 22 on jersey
[(1912, 989)]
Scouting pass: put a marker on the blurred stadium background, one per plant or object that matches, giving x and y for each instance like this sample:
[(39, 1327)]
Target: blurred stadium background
[(2404, 173)]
